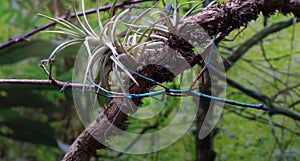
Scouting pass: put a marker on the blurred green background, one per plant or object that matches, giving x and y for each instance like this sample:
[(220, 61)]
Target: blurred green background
[(34, 118)]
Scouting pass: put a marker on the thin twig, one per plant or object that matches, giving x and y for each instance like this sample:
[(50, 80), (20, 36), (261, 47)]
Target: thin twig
[(240, 51), (63, 85), (277, 140), (260, 119), (51, 81)]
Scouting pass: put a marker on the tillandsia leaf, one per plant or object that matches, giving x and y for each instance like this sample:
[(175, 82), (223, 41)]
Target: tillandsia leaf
[(163, 27), (117, 75), (151, 28), (70, 31), (123, 48), (148, 44), (211, 3), (64, 45), (103, 36), (74, 28), (166, 18), (102, 71), (172, 13), (112, 48), (143, 14), (136, 46), (156, 28), (97, 47), (154, 44), (62, 32), (119, 64), (55, 20), (152, 35), (99, 17), (176, 14), (134, 38), (146, 47), (65, 24), (105, 68), (93, 56), (93, 42), (67, 27), (139, 17), (113, 33), (86, 31), (91, 60), (86, 21), (99, 54), (144, 34), (115, 60), (87, 46), (131, 40), (155, 36), (112, 9)]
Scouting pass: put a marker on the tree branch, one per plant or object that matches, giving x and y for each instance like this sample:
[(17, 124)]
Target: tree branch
[(274, 109), (242, 49), (257, 37), (226, 17), (254, 117), (26, 35), (222, 18)]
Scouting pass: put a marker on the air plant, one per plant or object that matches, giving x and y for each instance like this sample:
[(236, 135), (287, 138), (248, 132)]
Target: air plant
[(106, 48)]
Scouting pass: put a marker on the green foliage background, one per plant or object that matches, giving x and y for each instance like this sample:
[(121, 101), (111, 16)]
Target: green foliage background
[(33, 118)]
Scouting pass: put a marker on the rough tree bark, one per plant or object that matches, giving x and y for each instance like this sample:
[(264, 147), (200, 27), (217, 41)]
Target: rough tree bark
[(223, 18)]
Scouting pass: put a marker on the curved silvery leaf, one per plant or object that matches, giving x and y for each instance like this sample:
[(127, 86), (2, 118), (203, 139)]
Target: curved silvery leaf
[(113, 33), (168, 20), (92, 59), (112, 9), (86, 21), (99, 17), (86, 31), (64, 45), (119, 64), (147, 44), (106, 46), (156, 28), (115, 24), (117, 76), (139, 17)]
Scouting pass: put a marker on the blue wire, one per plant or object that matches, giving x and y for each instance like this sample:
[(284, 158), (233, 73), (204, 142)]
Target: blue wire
[(175, 91), (110, 94), (210, 52)]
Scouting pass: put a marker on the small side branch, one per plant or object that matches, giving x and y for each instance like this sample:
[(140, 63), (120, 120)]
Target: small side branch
[(239, 52), (62, 85)]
